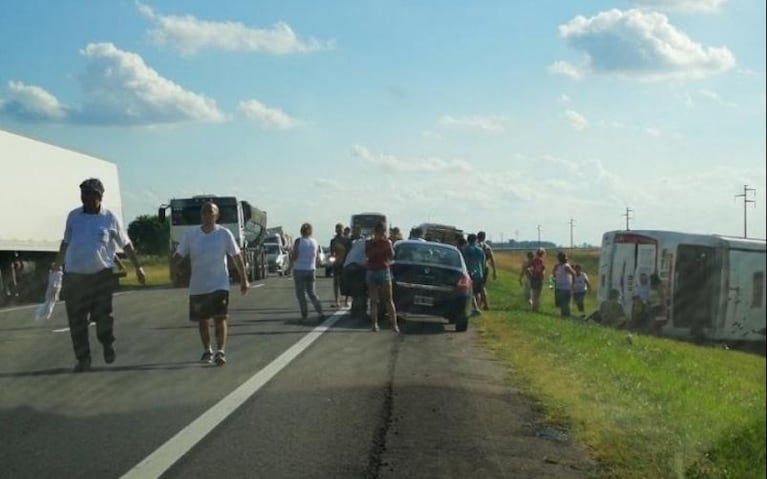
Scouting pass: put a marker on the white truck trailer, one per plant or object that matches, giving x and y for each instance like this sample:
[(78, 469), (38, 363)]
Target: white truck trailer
[(714, 285), (39, 187), (246, 222)]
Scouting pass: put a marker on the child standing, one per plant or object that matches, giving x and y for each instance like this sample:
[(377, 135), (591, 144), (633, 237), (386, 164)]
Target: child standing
[(580, 286)]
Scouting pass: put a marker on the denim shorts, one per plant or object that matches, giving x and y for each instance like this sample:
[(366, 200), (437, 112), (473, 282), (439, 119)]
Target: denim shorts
[(378, 276)]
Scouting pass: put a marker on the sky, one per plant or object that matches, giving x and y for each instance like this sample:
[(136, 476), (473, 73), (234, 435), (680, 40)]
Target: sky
[(510, 117)]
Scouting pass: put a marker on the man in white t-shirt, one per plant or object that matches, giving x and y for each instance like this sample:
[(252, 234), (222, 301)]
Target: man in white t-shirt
[(207, 248)]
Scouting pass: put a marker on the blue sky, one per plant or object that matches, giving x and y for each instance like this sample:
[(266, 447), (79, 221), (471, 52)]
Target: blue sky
[(491, 115)]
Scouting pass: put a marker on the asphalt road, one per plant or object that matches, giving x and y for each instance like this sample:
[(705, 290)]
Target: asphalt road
[(295, 400)]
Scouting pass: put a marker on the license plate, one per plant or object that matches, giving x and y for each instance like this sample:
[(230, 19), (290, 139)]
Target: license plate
[(423, 300)]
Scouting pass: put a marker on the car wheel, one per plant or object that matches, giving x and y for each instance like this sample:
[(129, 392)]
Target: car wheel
[(461, 322)]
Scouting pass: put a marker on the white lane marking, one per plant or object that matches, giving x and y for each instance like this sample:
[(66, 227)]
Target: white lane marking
[(166, 455), (64, 330)]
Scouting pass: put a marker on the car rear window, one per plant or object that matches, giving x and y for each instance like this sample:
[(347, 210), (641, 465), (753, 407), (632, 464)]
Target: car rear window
[(428, 254)]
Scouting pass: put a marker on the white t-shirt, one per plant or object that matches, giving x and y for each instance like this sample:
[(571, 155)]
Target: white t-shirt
[(562, 277), (92, 241), (207, 255), (579, 284), (306, 250)]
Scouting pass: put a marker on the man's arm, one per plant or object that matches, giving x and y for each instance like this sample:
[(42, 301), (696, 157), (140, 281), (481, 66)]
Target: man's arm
[(131, 253), (58, 266), (239, 263), (491, 258)]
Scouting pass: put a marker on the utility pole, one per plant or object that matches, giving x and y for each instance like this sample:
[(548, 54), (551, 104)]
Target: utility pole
[(628, 216), (572, 224), (516, 235), (539, 235), (746, 201)]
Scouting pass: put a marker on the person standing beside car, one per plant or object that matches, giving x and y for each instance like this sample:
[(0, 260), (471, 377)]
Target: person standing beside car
[(475, 264), (303, 264), (353, 283), (339, 247), (379, 253), (489, 264), (87, 256), (207, 248)]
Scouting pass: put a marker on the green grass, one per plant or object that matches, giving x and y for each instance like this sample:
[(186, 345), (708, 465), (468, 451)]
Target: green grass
[(155, 269), (644, 406)]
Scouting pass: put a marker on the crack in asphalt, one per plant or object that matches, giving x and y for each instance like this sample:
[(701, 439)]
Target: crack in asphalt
[(385, 418)]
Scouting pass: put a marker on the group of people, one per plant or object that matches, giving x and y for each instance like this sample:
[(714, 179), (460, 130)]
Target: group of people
[(479, 259), (92, 233), (570, 282), (648, 307)]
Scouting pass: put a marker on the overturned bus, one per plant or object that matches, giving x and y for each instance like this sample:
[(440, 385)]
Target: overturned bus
[(713, 285)]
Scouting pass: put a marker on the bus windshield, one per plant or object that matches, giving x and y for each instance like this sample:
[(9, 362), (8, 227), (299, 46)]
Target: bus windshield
[(188, 213), (366, 222)]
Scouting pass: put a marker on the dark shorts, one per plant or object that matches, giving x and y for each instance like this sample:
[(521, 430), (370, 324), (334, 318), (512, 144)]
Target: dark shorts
[(210, 305), (536, 284), (477, 285)]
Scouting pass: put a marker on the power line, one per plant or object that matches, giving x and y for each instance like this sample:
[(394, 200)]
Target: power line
[(746, 201)]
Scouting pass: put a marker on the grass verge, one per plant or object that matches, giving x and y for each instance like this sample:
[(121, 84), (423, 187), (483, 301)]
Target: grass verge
[(644, 406), (155, 269)]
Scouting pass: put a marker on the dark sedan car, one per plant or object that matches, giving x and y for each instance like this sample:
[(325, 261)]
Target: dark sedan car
[(431, 278)]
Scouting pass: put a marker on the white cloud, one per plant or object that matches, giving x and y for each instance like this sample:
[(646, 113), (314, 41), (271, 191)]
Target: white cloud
[(394, 164), (189, 35), (118, 88), (577, 121), (268, 118), (652, 131), (431, 135), (642, 45), (488, 123), (705, 6), (327, 184), (716, 98), (566, 69), (564, 99), (33, 103)]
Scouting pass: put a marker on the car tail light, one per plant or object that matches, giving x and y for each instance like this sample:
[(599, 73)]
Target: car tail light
[(464, 285)]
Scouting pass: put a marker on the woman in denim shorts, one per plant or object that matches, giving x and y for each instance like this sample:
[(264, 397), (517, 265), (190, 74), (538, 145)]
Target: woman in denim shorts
[(379, 254)]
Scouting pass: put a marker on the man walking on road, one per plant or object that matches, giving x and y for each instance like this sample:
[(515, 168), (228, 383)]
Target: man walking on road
[(207, 248), (87, 255)]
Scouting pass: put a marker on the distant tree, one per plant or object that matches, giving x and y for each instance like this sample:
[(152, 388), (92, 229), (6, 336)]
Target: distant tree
[(149, 235)]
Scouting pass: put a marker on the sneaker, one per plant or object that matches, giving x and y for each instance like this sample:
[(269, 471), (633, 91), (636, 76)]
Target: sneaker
[(220, 358), (207, 357), (82, 365), (109, 353)]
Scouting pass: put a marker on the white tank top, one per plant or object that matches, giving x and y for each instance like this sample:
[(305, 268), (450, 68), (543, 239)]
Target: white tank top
[(307, 255)]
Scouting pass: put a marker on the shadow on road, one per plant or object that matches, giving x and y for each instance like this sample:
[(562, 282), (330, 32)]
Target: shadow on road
[(135, 367)]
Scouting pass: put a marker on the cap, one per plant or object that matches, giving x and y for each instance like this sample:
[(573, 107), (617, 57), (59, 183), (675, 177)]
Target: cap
[(92, 184)]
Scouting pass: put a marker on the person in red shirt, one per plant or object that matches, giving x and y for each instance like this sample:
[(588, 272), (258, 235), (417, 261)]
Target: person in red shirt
[(537, 269), (379, 252)]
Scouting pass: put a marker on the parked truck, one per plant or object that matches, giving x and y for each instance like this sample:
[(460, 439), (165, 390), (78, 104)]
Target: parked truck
[(277, 235), (714, 286), (246, 222), (39, 188)]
